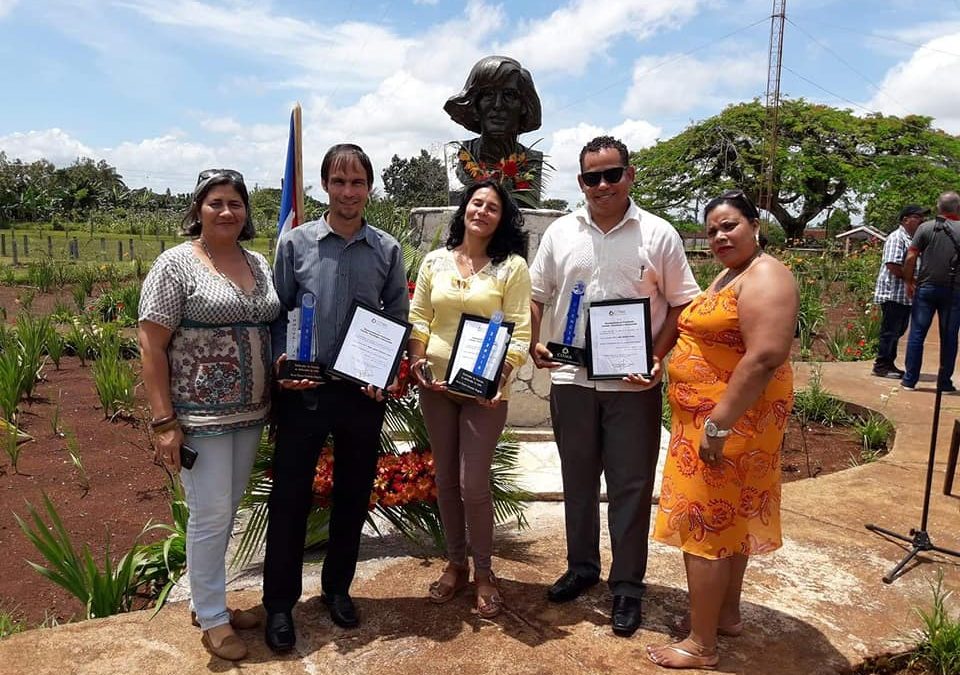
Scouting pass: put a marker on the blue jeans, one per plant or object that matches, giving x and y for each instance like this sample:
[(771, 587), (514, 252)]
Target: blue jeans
[(893, 325), (213, 489), (930, 299)]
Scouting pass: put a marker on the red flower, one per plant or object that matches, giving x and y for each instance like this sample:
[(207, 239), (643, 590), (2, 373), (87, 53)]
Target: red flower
[(509, 168), (522, 185), (411, 287)]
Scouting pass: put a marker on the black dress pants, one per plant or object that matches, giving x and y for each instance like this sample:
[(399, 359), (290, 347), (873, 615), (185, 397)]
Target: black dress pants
[(355, 421)]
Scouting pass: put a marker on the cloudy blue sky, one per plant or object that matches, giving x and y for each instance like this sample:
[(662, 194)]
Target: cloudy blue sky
[(164, 88)]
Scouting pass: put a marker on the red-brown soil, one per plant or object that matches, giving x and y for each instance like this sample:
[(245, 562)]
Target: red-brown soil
[(127, 489)]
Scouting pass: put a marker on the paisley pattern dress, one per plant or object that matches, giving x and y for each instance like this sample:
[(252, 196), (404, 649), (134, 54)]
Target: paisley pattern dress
[(735, 508)]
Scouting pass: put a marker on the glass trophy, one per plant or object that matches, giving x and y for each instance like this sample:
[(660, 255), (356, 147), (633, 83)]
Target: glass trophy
[(301, 363), (565, 352)]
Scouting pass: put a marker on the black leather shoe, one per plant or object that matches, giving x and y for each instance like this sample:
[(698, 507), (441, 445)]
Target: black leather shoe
[(626, 615), (279, 633), (342, 611), (570, 586)]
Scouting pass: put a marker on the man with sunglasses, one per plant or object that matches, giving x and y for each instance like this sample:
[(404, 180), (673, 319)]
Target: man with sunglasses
[(338, 258), (610, 249)]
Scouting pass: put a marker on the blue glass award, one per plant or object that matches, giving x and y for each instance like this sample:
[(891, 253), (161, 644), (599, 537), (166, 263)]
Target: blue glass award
[(565, 352), (478, 355), (301, 363)]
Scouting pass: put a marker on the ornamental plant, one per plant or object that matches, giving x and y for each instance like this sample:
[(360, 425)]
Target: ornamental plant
[(517, 173)]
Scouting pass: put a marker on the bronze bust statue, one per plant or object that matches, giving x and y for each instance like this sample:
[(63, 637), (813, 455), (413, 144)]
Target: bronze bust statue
[(499, 102)]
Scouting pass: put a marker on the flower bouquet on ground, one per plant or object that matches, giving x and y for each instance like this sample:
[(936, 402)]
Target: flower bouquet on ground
[(404, 491)]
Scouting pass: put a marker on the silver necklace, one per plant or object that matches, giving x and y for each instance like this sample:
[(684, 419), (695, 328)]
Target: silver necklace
[(236, 286)]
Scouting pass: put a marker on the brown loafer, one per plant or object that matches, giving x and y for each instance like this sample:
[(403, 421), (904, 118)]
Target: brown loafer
[(231, 649), (241, 619)]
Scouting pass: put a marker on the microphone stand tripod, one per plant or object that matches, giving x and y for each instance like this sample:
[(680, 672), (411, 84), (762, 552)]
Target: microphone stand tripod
[(919, 538)]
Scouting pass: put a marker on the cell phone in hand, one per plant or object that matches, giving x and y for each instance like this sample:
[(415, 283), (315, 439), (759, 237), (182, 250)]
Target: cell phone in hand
[(187, 457), (427, 371)]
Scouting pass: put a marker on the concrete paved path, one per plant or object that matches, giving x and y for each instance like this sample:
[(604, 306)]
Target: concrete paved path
[(813, 607)]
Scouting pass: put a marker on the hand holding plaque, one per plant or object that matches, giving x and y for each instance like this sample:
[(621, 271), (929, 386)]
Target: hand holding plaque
[(370, 347), (300, 363), (619, 339), (565, 352), (479, 352)]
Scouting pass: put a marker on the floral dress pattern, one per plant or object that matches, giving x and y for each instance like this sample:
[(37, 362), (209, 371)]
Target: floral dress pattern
[(735, 508), (219, 352)]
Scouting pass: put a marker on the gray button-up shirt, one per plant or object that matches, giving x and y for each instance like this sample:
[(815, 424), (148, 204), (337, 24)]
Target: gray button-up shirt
[(313, 258)]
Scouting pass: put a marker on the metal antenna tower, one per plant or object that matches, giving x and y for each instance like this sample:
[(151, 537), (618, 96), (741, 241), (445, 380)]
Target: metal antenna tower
[(774, 64)]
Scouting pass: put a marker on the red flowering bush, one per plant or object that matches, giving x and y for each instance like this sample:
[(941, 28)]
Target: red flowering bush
[(404, 479)]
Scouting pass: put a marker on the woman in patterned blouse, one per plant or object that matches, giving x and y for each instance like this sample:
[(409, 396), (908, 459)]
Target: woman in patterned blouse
[(482, 270), (205, 310)]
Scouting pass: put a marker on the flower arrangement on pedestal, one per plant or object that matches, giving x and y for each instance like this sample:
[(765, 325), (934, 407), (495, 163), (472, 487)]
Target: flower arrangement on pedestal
[(518, 173)]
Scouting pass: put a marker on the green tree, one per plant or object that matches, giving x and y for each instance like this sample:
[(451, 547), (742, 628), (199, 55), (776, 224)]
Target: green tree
[(418, 181), (837, 222), (826, 158), (558, 204)]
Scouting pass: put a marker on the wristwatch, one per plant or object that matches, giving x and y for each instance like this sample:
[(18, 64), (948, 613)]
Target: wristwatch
[(713, 431)]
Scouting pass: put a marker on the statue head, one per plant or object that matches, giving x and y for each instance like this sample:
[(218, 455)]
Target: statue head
[(498, 99)]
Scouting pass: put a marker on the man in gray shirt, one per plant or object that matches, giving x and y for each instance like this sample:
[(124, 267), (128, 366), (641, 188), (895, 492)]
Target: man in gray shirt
[(935, 289), (338, 258)]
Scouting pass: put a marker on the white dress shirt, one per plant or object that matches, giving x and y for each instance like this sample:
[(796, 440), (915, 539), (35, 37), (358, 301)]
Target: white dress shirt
[(642, 256)]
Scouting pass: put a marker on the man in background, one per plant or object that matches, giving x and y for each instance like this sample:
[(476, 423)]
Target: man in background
[(934, 289), (891, 291)]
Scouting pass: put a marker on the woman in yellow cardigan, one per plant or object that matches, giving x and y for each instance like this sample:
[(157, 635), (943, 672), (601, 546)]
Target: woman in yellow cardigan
[(482, 270)]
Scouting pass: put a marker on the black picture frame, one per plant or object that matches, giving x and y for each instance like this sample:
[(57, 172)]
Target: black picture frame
[(592, 373), (341, 338), (490, 389)]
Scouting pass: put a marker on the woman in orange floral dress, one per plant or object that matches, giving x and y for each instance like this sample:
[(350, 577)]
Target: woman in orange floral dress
[(730, 390)]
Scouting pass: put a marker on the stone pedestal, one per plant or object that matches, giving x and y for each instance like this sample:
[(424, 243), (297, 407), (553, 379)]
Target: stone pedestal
[(530, 391)]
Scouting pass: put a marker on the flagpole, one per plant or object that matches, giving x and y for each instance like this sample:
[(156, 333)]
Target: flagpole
[(298, 144)]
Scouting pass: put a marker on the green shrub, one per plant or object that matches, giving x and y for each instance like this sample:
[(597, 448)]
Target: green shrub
[(939, 648), (11, 382), (32, 335), (814, 404), (114, 379), (164, 562), (103, 591), (42, 274), (9, 624), (55, 345), (874, 430), (78, 340)]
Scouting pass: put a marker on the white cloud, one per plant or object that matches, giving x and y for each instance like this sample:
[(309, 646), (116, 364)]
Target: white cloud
[(567, 40), (672, 83), (6, 6), (923, 84), (564, 151), (54, 145), (425, 2), (344, 55)]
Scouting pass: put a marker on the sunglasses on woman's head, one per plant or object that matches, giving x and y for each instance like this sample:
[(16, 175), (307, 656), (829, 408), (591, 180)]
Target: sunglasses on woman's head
[(213, 173), (592, 178)]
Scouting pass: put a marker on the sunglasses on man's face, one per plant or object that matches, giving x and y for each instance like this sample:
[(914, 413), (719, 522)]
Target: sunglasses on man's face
[(213, 173), (612, 176)]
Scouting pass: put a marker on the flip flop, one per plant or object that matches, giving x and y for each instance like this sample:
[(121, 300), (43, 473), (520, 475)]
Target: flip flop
[(690, 660)]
